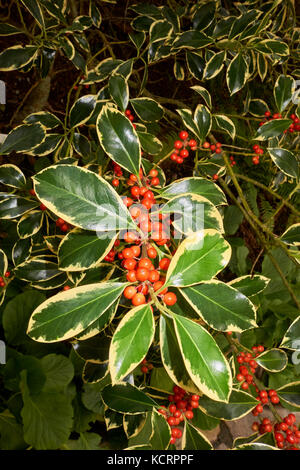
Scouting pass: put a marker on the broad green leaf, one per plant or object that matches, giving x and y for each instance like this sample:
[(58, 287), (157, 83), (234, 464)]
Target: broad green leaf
[(240, 404), (14, 207), (86, 441), (150, 144), (269, 46), (36, 269), (82, 110), (80, 250), (112, 419), (30, 224), (147, 109), (119, 139), (291, 339), (203, 421), (160, 380), (160, 29), (126, 398), (195, 185), (272, 360), (242, 22), (81, 198), (222, 307), (16, 57), (3, 263), (194, 213), (214, 65), (59, 372), (161, 436), (7, 29), (21, 251), (119, 91), (198, 258), (285, 161), (82, 145), (60, 317), (67, 47), (195, 64), (250, 285), (237, 73), (283, 91), (223, 122), (95, 373), (144, 432), (204, 16), (193, 439), (35, 9), (49, 145), (191, 40), (203, 120), (101, 323), (172, 358), (47, 418), (203, 93), (11, 432), (258, 107), (131, 341), (22, 138), (187, 118), (292, 235), (203, 359), (103, 70), (95, 14), (272, 129), (290, 394), (133, 424), (11, 175)]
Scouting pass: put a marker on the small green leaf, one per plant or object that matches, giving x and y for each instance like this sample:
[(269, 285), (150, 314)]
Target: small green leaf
[(195, 185), (16, 57), (203, 120), (30, 224), (283, 91), (82, 110), (203, 93), (237, 73), (272, 129), (285, 161), (240, 403), (292, 235), (11, 175), (119, 91), (193, 439), (272, 360), (214, 65), (126, 398), (224, 123), (250, 285), (22, 138), (147, 109)]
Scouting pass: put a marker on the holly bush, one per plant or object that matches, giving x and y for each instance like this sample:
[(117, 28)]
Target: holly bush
[(150, 227)]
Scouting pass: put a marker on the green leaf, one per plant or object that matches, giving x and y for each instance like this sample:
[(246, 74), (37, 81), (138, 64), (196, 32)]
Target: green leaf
[(131, 341), (272, 129), (221, 306), (22, 138), (126, 398), (86, 441), (195, 185), (49, 145), (250, 285), (82, 110), (292, 235), (60, 317), (291, 339), (143, 432), (285, 161), (203, 93), (240, 404), (193, 439), (194, 213), (35, 9), (59, 372), (204, 16), (283, 91), (214, 65), (223, 122), (237, 73), (150, 143), (101, 323), (81, 198), (21, 251), (269, 46), (255, 446), (11, 175), (11, 433), (195, 64), (172, 358), (198, 258), (16, 57), (242, 22), (95, 14), (81, 250), (47, 418), (159, 30), (8, 29), (103, 70), (203, 359), (119, 91), (30, 224), (272, 360), (290, 394), (119, 139), (81, 145), (36, 269), (148, 110), (203, 120), (161, 435), (258, 107), (13, 207), (191, 40)]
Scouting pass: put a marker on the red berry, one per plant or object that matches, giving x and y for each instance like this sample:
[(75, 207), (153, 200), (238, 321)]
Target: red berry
[(170, 298), (115, 182), (183, 135), (138, 299), (178, 144)]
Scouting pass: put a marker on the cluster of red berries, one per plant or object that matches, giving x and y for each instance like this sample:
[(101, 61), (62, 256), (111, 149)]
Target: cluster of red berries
[(258, 151), (151, 180), (181, 407), (180, 151), (216, 148), (130, 116), (264, 396), (248, 366), (232, 160), (63, 225), (2, 281), (146, 366), (286, 441)]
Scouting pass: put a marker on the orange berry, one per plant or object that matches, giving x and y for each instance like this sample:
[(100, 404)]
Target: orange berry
[(145, 263), (142, 274), (129, 264), (164, 263), (151, 252), (170, 298), (138, 299), (154, 276), (127, 253), (129, 292)]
